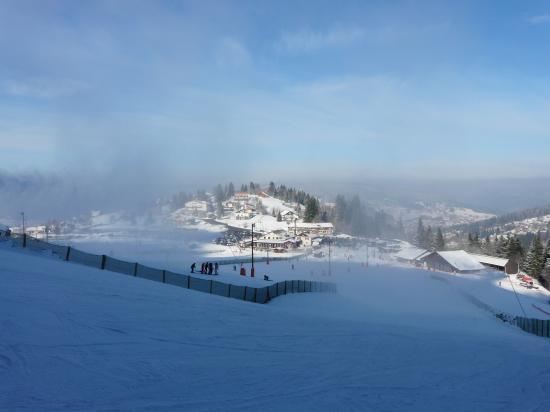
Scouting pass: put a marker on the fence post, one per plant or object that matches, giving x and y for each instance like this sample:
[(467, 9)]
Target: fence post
[(103, 259), (244, 294), (210, 286), (135, 269), (229, 291), (24, 240), (188, 282), (68, 253)]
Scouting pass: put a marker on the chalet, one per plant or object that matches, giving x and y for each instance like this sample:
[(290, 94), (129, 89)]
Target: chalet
[(305, 239), (267, 244), (508, 266), (456, 261), (245, 214), (198, 208), (241, 196), (288, 216), (411, 255), (275, 235), (318, 229)]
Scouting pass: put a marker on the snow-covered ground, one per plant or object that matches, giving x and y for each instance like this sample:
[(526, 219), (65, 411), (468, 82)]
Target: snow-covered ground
[(393, 338)]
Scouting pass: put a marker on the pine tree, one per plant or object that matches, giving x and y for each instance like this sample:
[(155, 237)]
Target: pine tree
[(271, 189), (420, 239), (400, 229), (219, 193), (514, 250), (279, 217), (429, 239), (230, 190), (312, 209), (536, 259), (439, 240)]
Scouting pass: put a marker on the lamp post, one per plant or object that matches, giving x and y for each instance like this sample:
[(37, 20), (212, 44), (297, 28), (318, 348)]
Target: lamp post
[(329, 262), (252, 269)]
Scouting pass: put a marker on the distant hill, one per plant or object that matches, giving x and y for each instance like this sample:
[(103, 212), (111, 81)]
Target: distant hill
[(520, 222)]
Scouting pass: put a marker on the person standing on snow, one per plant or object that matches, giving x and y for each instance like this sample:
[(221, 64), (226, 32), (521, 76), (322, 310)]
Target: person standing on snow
[(193, 268), (216, 266)]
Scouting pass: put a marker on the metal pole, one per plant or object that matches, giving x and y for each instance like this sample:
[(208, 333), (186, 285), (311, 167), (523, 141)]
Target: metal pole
[(329, 263), (253, 224)]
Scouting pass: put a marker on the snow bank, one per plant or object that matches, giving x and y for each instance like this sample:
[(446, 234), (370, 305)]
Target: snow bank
[(81, 339)]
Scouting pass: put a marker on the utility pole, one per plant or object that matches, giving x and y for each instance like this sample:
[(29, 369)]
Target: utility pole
[(252, 269), (329, 262), (23, 219)]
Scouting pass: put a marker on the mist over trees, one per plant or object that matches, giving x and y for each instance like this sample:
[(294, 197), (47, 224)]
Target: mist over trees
[(425, 237)]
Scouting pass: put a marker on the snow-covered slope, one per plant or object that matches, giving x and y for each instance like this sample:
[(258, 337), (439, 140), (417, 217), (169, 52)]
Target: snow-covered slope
[(75, 338)]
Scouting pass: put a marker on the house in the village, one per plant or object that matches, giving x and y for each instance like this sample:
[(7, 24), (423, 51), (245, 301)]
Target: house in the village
[(197, 208), (241, 197), (455, 261), (508, 266), (411, 255), (289, 216), (275, 235), (317, 229)]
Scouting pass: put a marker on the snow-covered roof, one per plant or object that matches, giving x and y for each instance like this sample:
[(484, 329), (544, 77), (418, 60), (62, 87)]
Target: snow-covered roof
[(461, 260), (410, 253), (314, 225), (286, 212), (490, 260)]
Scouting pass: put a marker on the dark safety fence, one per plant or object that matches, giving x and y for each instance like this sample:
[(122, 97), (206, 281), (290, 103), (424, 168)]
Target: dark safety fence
[(214, 287)]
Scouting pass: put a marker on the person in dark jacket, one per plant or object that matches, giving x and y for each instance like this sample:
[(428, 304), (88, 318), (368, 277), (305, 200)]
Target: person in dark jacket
[(216, 266), (193, 268), (210, 268), (202, 268)]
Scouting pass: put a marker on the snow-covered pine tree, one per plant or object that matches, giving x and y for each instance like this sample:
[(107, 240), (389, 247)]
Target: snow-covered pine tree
[(429, 239), (501, 246), (230, 190), (439, 240), (312, 209), (535, 260), (420, 238), (514, 250)]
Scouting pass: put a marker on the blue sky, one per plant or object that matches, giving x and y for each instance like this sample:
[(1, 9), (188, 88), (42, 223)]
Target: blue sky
[(231, 90)]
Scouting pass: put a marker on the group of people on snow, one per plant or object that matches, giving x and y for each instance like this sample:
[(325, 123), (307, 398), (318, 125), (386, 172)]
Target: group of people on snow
[(207, 268)]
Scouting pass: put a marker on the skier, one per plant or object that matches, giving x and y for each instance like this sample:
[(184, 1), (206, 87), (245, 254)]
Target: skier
[(210, 268), (216, 266), (234, 268), (193, 268)]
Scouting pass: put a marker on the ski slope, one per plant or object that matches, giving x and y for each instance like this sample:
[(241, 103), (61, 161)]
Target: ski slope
[(75, 338)]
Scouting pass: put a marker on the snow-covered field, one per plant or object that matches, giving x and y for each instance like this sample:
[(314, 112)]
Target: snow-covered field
[(75, 338)]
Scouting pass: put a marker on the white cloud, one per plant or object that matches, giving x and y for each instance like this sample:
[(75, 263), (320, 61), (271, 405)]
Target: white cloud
[(308, 41), (232, 53), (539, 19), (43, 88)]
